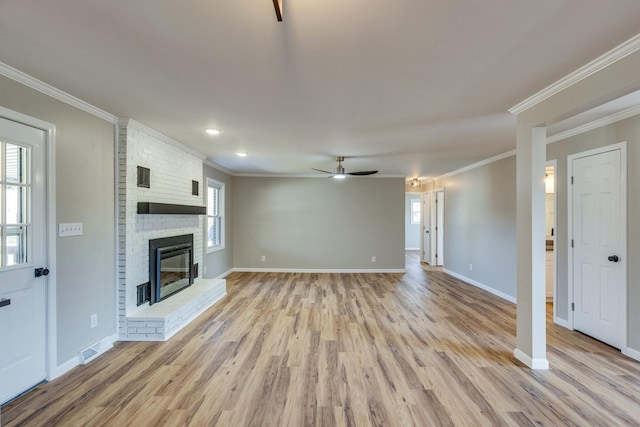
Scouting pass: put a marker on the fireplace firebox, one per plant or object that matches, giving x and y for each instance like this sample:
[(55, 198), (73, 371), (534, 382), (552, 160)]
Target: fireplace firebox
[(170, 266)]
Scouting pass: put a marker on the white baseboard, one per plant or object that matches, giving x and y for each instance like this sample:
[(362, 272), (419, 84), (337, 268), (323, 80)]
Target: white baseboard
[(104, 345), (225, 274), (531, 363), (629, 352), (317, 270), (411, 249), (481, 286), (562, 322)]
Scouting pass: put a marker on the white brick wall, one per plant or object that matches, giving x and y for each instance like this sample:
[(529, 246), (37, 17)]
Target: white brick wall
[(172, 170)]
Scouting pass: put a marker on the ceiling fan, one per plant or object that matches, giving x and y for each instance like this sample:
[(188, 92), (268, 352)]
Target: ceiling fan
[(340, 173)]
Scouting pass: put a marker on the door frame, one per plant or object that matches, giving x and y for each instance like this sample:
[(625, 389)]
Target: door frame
[(622, 146), (51, 345), (554, 164), (425, 221), (437, 237)]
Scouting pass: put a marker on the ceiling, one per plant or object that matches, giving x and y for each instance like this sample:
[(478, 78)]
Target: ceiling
[(409, 87)]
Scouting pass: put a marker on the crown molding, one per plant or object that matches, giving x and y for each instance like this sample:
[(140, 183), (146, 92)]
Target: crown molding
[(47, 89), (125, 122), (478, 164), (614, 55), (616, 117), (217, 167)]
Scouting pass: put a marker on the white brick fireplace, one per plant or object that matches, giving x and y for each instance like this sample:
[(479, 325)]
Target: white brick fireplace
[(172, 168)]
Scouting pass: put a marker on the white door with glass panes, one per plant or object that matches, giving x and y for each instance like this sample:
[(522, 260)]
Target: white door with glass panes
[(22, 250)]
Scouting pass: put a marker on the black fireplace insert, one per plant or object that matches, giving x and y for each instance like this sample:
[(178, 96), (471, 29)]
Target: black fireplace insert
[(170, 266)]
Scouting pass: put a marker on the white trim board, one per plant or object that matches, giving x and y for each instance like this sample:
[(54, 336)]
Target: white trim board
[(42, 87), (481, 286), (614, 55), (317, 270), (107, 344), (478, 164), (225, 274), (531, 363), (604, 121), (629, 352)]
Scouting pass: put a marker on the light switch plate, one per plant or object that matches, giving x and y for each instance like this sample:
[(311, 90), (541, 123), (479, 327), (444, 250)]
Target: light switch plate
[(70, 229)]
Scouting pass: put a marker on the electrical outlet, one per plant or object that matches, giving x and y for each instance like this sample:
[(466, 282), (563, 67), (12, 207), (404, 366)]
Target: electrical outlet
[(263, 259), (373, 259), (70, 229), (470, 267), (94, 320)]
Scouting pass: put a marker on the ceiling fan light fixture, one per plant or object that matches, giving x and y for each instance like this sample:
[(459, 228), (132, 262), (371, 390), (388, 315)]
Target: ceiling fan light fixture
[(213, 131), (339, 176), (242, 154)]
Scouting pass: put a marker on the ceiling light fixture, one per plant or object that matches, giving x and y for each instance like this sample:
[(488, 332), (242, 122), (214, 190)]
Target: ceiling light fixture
[(340, 176), (213, 131), (242, 154), (414, 183)]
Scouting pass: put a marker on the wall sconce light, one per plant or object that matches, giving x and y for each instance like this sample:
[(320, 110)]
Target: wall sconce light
[(414, 183)]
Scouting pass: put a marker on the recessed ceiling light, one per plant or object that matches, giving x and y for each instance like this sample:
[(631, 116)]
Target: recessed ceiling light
[(242, 154), (213, 131)]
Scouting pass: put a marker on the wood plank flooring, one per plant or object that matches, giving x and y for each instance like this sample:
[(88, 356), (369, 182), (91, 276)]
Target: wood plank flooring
[(414, 349)]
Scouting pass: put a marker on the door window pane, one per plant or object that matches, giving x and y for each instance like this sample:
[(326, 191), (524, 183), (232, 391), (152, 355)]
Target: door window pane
[(15, 206), (15, 188), (16, 163), (16, 244)]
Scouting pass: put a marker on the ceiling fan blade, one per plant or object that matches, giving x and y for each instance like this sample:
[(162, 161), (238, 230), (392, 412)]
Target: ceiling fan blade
[(362, 173), (320, 170)]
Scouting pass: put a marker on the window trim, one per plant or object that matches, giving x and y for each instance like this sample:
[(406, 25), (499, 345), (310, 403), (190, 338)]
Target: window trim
[(412, 212), (212, 183)]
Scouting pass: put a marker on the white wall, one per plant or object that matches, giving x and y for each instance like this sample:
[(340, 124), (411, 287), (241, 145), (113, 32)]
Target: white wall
[(314, 223)]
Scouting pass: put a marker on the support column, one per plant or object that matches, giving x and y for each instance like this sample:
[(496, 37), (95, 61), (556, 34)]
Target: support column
[(530, 221)]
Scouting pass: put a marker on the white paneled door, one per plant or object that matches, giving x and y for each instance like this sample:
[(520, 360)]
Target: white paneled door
[(598, 264), (22, 250)]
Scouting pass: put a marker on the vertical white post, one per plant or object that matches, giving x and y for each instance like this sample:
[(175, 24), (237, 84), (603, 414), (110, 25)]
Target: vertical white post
[(530, 221)]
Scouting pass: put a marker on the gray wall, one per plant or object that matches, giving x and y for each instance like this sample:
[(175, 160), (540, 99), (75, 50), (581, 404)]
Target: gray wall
[(625, 130), (411, 231), (219, 262), (480, 224), (85, 267), (312, 223)]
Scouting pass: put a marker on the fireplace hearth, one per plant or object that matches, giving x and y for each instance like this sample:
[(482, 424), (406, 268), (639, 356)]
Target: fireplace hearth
[(171, 267)]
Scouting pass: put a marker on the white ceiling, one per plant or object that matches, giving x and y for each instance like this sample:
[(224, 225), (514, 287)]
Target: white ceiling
[(407, 87)]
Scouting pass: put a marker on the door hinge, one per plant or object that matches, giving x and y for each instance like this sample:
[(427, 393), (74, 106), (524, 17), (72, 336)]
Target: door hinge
[(573, 306), (572, 180)]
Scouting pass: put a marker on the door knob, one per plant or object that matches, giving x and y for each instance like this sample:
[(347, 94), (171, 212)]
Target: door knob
[(5, 302), (41, 272), (614, 258)]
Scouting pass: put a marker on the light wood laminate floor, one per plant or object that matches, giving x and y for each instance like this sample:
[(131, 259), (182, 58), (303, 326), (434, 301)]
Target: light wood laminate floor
[(420, 348)]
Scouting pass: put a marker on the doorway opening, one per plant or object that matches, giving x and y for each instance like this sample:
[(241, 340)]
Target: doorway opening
[(550, 231)]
